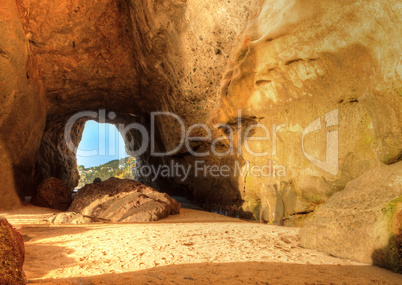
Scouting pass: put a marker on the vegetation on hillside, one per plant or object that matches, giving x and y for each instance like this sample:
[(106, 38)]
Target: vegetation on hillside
[(121, 168)]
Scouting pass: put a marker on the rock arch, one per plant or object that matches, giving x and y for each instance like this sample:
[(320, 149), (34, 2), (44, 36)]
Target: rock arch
[(134, 57)]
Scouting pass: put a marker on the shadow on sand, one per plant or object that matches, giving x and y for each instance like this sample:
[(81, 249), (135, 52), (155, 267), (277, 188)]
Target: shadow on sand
[(40, 256), (242, 273)]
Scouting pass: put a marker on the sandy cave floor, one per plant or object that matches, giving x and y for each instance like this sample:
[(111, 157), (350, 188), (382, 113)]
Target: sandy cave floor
[(195, 247)]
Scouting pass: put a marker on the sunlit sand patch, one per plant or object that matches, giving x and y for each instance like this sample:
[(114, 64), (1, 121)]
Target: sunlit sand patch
[(194, 240)]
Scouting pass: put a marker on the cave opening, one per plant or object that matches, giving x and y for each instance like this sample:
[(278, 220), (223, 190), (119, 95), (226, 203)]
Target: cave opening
[(117, 145), (101, 154)]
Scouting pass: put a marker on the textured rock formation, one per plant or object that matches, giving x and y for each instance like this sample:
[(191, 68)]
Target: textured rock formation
[(84, 52), (53, 193), (362, 222), (130, 57), (12, 255), (123, 201), (330, 63), (8, 195), (22, 101), (56, 159)]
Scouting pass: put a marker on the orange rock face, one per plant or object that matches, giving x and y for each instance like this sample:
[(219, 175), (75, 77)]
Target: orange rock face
[(12, 255), (297, 63), (22, 101), (84, 51)]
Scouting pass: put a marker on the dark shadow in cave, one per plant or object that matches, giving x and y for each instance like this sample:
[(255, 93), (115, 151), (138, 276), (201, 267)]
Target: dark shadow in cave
[(390, 256)]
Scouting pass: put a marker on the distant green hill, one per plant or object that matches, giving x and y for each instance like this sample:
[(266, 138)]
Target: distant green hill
[(121, 168), (112, 163), (115, 163)]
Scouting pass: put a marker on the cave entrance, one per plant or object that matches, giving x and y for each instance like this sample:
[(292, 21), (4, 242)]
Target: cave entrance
[(101, 154)]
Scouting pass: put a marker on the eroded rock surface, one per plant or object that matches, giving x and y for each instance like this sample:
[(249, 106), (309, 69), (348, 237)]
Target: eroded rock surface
[(12, 255), (53, 193), (123, 201), (130, 57), (8, 192), (22, 102), (362, 222), (330, 63)]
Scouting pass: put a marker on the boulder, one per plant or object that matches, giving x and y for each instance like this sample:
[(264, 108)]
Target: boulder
[(363, 222), (12, 255), (123, 200), (53, 193)]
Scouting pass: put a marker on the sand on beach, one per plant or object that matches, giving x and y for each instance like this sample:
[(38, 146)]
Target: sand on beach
[(195, 247)]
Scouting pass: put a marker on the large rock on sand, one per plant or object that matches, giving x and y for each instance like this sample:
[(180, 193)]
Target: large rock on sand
[(123, 201), (362, 222), (12, 255), (53, 193)]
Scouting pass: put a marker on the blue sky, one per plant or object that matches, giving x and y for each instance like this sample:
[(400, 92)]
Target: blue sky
[(100, 143)]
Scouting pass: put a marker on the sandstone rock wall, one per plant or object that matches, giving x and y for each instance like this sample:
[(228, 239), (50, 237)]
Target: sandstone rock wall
[(22, 101), (56, 158), (8, 189), (185, 47), (130, 57), (300, 61), (84, 51)]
